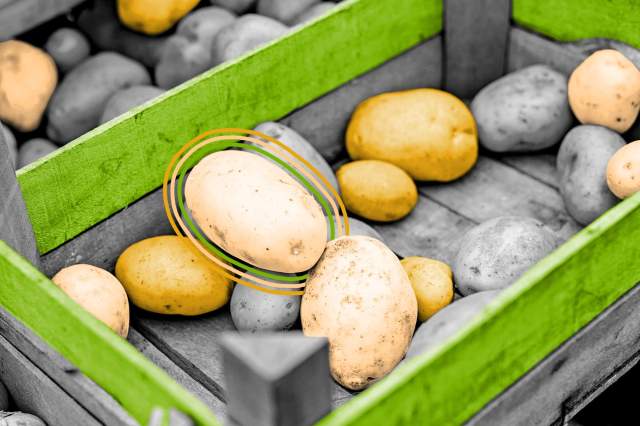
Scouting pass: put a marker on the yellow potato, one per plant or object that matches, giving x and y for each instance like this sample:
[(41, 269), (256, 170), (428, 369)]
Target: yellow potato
[(28, 77), (377, 190), (98, 292), (153, 16), (623, 170), (168, 275), (429, 133), (605, 90), (432, 281), (360, 298)]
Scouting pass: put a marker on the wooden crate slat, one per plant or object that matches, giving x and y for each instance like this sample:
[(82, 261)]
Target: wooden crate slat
[(541, 167), (18, 16), (110, 167), (570, 20)]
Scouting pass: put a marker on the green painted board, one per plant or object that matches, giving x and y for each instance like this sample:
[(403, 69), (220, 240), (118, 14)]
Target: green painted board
[(528, 321), (570, 20), (108, 168)]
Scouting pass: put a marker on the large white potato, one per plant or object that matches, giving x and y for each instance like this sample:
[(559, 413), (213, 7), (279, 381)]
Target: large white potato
[(360, 298)]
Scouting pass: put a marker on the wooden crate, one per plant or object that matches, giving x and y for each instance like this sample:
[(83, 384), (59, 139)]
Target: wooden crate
[(548, 345)]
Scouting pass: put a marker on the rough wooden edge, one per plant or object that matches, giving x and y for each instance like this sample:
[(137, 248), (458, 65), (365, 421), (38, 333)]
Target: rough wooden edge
[(21, 15)]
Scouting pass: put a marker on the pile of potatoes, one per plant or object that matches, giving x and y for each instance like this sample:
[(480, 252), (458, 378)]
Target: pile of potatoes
[(118, 54)]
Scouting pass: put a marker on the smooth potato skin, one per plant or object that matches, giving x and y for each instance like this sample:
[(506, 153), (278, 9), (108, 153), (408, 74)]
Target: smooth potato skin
[(284, 10), (428, 133), (582, 167), (313, 12), (623, 171), (432, 282), (68, 47), (153, 16), (494, 254), (360, 298), (168, 275), (34, 149), (255, 311), (98, 292), (523, 111), (126, 99), (605, 90), (255, 211)]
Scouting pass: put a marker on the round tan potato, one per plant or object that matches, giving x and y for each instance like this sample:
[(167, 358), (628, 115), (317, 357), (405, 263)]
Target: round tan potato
[(284, 10), (168, 275), (126, 99), (359, 297), (428, 133), (68, 47), (97, 291), (153, 16), (494, 254), (28, 77), (605, 90), (526, 110), (432, 281), (623, 171), (34, 149), (254, 210), (377, 190)]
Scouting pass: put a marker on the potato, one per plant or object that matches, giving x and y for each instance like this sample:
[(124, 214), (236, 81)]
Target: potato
[(360, 298), (447, 322), (98, 292), (153, 16), (68, 47), (494, 254), (78, 103), (284, 10), (33, 149), (168, 275), (18, 418), (428, 133), (255, 211), (126, 99), (432, 282), (377, 190), (10, 140), (245, 34), (623, 171), (582, 167), (202, 25), (301, 146), (28, 77), (237, 6), (605, 90), (524, 111), (313, 12), (181, 60), (256, 311)]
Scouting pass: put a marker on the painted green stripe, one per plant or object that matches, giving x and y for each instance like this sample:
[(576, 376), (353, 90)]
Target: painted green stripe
[(549, 304), (112, 166), (134, 381), (570, 20)]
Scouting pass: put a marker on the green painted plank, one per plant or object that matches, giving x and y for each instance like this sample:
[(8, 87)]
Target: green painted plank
[(570, 20), (109, 360), (528, 321), (106, 169)]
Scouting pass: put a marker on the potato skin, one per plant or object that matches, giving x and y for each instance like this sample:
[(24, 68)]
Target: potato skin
[(428, 133), (168, 275), (582, 167), (360, 298), (284, 10), (432, 282), (34, 149), (623, 171), (153, 16), (78, 103), (313, 12), (377, 190), (523, 111), (255, 311), (257, 212), (494, 254), (605, 90), (126, 99), (98, 292), (68, 47)]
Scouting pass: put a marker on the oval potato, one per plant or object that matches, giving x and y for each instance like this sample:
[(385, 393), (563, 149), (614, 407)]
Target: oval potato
[(68, 47), (255, 311), (153, 17), (284, 10), (313, 12), (432, 282), (34, 149), (623, 171), (126, 99)]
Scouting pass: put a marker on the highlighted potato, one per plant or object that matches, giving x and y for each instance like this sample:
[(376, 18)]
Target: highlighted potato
[(432, 281), (623, 171)]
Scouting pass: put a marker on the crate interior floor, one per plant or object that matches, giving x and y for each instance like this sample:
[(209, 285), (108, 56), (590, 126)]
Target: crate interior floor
[(498, 185)]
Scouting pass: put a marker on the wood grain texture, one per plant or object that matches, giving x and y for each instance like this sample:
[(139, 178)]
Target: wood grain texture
[(324, 121), (35, 393), (125, 159), (575, 373), (78, 386), (19, 16), (476, 33), (538, 166)]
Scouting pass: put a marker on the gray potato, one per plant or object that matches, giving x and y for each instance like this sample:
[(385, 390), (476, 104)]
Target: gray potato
[(497, 252), (10, 140), (582, 166), (284, 10), (34, 149), (202, 25), (448, 321), (523, 111), (237, 6), (125, 99), (314, 11), (254, 310)]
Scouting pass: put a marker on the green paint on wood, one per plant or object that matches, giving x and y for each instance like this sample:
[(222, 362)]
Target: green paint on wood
[(528, 321), (110, 167), (109, 360), (570, 20)]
